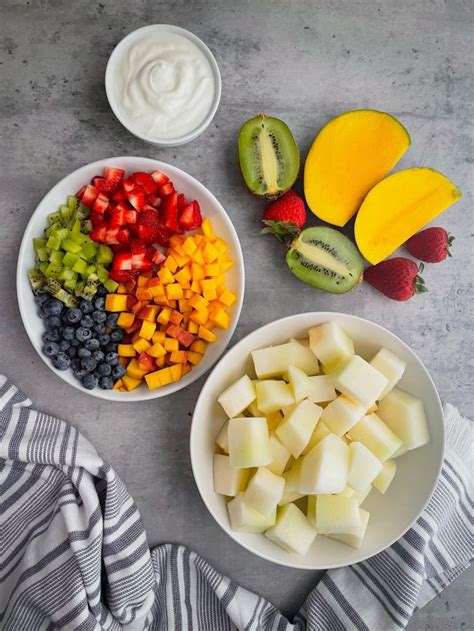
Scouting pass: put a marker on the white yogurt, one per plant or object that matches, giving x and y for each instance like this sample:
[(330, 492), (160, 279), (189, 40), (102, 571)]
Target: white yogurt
[(164, 85)]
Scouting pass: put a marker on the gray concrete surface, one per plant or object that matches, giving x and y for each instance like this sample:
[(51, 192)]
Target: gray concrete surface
[(304, 62)]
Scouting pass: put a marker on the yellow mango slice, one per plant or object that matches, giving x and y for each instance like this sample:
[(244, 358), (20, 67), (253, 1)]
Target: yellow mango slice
[(350, 155), (399, 206)]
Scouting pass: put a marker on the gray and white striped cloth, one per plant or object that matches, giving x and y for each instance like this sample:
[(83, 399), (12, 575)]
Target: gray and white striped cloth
[(74, 553)]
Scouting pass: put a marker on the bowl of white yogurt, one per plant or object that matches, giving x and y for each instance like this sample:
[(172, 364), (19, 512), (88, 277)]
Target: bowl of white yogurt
[(163, 84)]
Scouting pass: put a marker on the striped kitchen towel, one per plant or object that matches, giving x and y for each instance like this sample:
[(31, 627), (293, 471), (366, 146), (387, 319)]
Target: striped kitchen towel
[(74, 554)]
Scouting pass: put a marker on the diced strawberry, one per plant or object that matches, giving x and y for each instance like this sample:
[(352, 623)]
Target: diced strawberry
[(159, 178), (119, 196), (140, 262), (152, 208), (153, 200), (130, 216), (122, 205), (146, 361), (104, 186), (122, 262), (169, 212), (80, 192), (191, 218), (181, 203), (90, 195), (128, 185), (117, 217), (99, 233), (137, 198), (114, 175), (145, 181), (166, 189), (185, 338), (111, 235), (96, 219), (137, 247), (118, 276), (123, 236), (101, 203), (155, 255)]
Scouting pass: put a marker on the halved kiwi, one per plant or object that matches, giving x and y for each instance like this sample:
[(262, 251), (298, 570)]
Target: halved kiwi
[(269, 156), (326, 259)]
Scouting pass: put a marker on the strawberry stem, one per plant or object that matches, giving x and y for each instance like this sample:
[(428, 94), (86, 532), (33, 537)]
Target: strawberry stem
[(451, 238), (420, 286), (282, 230)]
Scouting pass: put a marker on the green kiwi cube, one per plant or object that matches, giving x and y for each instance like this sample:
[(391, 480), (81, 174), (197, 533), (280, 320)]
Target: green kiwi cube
[(110, 285), (54, 242), (72, 202), (104, 255), (56, 256), (70, 246), (70, 259), (80, 266), (102, 273), (43, 254), (39, 243)]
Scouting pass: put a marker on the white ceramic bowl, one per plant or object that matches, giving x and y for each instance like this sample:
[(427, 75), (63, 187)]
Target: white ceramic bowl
[(184, 183), (392, 514), (115, 59)]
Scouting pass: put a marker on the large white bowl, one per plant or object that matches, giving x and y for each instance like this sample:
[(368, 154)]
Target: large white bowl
[(392, 514), (184, 183)]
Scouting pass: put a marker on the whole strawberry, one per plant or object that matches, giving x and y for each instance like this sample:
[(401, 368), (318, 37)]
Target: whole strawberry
[(397, 278), (430, 245), (285, 216)]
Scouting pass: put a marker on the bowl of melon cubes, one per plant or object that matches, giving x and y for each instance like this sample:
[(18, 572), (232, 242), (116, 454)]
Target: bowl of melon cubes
[(317, 440)]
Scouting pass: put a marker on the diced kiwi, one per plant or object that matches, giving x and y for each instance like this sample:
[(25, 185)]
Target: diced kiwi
[(268, 155), (37, 281), (326, 259)]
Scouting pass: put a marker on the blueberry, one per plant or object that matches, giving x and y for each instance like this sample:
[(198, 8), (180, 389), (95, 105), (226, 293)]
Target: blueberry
[(87, 322), (88, 363), (72, 352), (76, 363), (89, 382), (65, 317), (98, 356), (51, 336), (111, 321), (112, 359), (84, 352), (116, 335), (68, 333), (74, 315), (104, 339), (75, 342), (99, 316), (106, 383), (41, 298), (53, 322), (100, 328), (79, 373), (83, 334), (86, 306), (118, 371), (53, 306), (51, 349), (64, 345), (99, 303), (93, 344), (101, 291), (104, 370), (61, 361), (42, 314), (111, 347)]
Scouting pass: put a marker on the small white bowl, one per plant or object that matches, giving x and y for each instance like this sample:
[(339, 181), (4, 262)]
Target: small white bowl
[(115, 58), (392, 514), (184, 183)]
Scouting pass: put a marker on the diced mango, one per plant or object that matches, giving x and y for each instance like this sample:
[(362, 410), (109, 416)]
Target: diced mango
[(198, 271), (130, 383), (198, 302), (199, 317), (165, 276), (171, 264), (212, 269), (178, 357), (207, 228), (141, 345), (184, 306), (221, 318), (226, 264), (196, 287), (157, 350), (147, 329), (125, 319), (183, 276), (144, 294), (210, 253), (227, 298), (161, 361), (174, 291), (193, 327), (206, 334), (135, 371), (198, 346), (142, 281), (118, 385), (171, 344), (194, 358), (126, 350), (175, 372), (121, 289), (158, 337), (164, 316), (189, 246), (116, 302)]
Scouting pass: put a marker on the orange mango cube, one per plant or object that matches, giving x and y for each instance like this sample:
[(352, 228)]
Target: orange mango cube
[(116, 302), (126, 350), (130, 383), (147, 329), (125, 319), (157, 350)]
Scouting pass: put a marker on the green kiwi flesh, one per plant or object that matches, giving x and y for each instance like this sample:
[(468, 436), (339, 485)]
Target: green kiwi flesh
[(268, 155), (326, 259)]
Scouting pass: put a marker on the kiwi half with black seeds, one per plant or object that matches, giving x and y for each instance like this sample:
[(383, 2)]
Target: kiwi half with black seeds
[(325, 258), (269, 156)]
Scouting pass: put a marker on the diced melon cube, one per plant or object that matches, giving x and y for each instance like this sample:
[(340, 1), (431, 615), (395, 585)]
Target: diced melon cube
[(288, 409), (311, 508), (391, 366), (304, 358), (272, 395), (238, 396), (342, 414), (337, 514), (273, 420), (227, 480), (405, 415), (292, 482), (331, 344), (400, 452), (249, 442), (274, 360), (385, 477), (292, 531), (264, 491), (300, 384), (320, 431), (326, 468), (222, 438), (321, 389), (253, 409), (296, 429), (364, 467), (372, 432), (348, 491), (358, 380), (243, 518), (355, 539), (280, 455)]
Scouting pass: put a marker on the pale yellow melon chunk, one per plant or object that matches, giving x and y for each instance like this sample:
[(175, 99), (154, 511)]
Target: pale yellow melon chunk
[(336, 514), (355, 540), (238, 396), (292, 531), (227, 480), (243, 518), (249, 442), (405, 415), (296, 429), (385, 477), (264, 491), (330, 343)]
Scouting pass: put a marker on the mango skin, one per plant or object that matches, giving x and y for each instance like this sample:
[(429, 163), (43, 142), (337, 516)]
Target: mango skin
[(351, 153), (398, 207)]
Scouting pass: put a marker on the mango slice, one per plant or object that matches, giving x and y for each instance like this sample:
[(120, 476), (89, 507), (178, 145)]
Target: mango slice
[(350, 155), (399, 206)]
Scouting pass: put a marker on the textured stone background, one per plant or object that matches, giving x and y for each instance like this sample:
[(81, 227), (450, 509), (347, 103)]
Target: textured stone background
[(304, 62)]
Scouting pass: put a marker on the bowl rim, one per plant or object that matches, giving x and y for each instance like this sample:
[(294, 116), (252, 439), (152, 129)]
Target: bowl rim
[(194, 429), (198, 371), (197, 41)]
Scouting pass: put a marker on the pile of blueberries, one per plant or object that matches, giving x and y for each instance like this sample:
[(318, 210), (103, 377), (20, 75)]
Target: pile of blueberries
[(83, 338)]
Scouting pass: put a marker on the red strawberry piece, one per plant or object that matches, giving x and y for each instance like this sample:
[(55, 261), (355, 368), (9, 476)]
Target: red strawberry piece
[(430, 245), (181, 203), (96, 219), (101, 203), (99, 233), (137, 198), (166, 189), (130, 216), (117, 217), (169, 212), (149, 229), (123, 236), (285, 217), (145, 181), (153, 200), (159, 178), (137, 246), (120, 196), (190, 217), (111, 234), (146, 361), (128, 185), (396, 278), (90, 195), (119, 276), (80, 192), (104, 186), (155, 256), (122, 261), (124, 206), (114, 175), (140, 262)]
